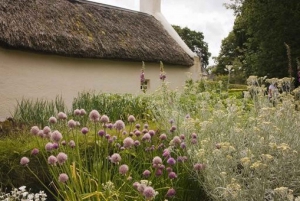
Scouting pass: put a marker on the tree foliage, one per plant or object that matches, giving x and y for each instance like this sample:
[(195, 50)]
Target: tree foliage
[(261, 34), (195, 41)]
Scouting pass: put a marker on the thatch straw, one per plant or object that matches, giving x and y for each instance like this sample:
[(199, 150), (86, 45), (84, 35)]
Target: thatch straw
[(85, 29)]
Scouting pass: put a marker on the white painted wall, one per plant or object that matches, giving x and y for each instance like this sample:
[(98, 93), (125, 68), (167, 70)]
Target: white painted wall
[(32, 76)]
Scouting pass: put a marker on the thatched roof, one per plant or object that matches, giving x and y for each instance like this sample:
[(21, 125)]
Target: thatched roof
[(86, 29)]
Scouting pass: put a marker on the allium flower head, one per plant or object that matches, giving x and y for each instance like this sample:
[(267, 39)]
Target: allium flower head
[(104, 119), (72, 144), (158, 172), (166, 153), (171, 192), (101, 133), (146, 137), (56, 136), (94, 116), (136, 185), (84, 130), (61, 158), (138, 126), (182, 145), (77, 112), (71, 123), (123, 169), (194, 135), (128, 142), (24, 161), (61, 115), (41, 134), (63, 178), (52, 120), (115, 158), (49, 146), (173, 128), (172, 175), (151, 132), (163, 136), (119, 125), (52, 160), (171, 161), (46, 130), (182, 136), (199, 166), (157, 160), (131, 119), (82, 112), (35, 151), (176, 140), (137, 133), (149, 192), (146, 126), (34, 130), (146, 173), (137, 143)]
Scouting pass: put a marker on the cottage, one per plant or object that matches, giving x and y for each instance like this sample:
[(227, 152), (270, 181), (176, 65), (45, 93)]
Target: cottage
[(62, 47)]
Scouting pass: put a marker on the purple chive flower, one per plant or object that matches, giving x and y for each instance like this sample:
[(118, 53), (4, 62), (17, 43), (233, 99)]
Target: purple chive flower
[(218, 145), (173, 128), (141, 187), (123, 169), (101, 133), (181, 159), (137, 133), (136, 185), (82, 112), (56, 136), (199, 167), (151, 132), (84, 130), (71, 123), (166, 153), (64, 143), (41, 134), (115, 158), (171, 161), (171, 121), (128, 142), (146, 137), (138, 126), (104, 119), (145, 131), (63, 178), (158, 172), (77, 112), (49, 146), (46, 130), (94, 116), (194, 135), (176, 140), (149, 192), (182, 136), (161, 146), (55, 145), (146, 173), (171, 192), (52, 160), (137, 143), (163, 136), (124, 133), (119, 125), (107, 136), (194, 141), (182, 145), (61, 158), (172, 175), (61, 115), (156, 160), (110, 125), (146, 126), (24, 161), (34, 130), (35, 151), (52, 120), (169, 169), (72, 144), (131, 119)]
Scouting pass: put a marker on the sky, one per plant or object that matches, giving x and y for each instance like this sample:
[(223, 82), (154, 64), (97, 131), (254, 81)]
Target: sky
[(207, 16)]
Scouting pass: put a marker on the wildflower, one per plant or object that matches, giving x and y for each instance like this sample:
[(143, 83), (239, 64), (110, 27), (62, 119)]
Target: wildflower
[(199, 166), (173, 128), (24, 161), (119, 125), (172, 175), (82, 112), (72, 144), (101, 133), (84, 130), (194, 141), (144, 131), (52, 160), (146, 126), (128, 142), (245, 161), (166, 153), (62, 116), (115, 158), (34, 130), (61, 158), (163, 136), (124, 132), (149, 192), (258, 165), (181, 159), (123, 169), (146, 173), (267, 157), (146, 137), (46, 130), (171, 121), (156, 160), (35, 151), (131, 119), (138, 126), (194, 135), (281, 191), (182, 145), (49, 146), (171, 192), (182, 136), (63, 178), (169, 169), (94, 116), (151, 132), (63, 143), (71, 123), (158, 172), (137, 143), (41, 133), (52, 120), (77, 112), (104, 119), (56, 136), (171, 161), (107, 136), (137, 133), (136, 185), (218, 145)]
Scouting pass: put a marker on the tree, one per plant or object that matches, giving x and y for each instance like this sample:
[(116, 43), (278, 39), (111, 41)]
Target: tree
[(195, 41)]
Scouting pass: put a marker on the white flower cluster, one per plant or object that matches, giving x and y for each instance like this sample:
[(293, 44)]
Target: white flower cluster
[(22, 195)]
